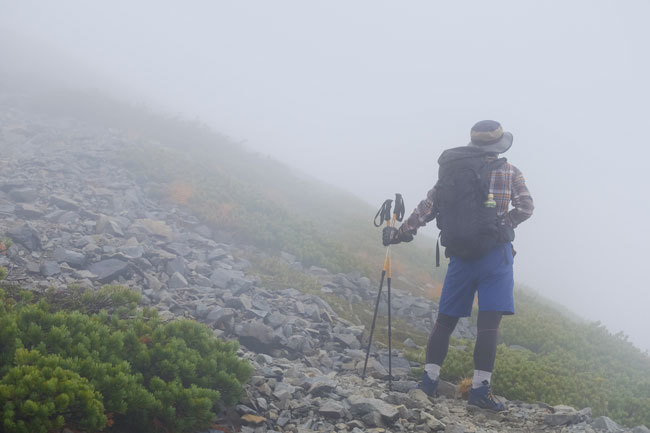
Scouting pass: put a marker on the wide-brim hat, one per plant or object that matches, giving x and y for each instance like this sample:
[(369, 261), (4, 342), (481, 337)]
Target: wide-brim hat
[(488, 135)]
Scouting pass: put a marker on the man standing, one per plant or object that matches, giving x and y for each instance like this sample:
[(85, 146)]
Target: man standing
[(471, 204)]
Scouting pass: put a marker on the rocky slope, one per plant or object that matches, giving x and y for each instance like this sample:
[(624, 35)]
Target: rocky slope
[(75, 216)]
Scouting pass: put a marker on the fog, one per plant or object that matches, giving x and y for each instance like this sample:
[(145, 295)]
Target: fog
[(365, 95)]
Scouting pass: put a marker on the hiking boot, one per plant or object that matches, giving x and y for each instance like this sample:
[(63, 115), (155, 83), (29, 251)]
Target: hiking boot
[(427, 385), (482, 397)]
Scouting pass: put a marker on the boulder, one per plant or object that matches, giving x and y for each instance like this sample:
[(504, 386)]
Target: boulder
[(332, 409), (221, 278), (154, 228), (564, 415), (132, 251), (109, 270), (432, 422), (23, 195), (49, 268), (176, 264), (256, 336), (374, 369), (108, 225), (178, 248), (242, 303), (361, 406), (221, 317), (64, 203), (605, 424), (322, 386), (177, 281), (283, 391), (28, 211), (27, 236), (72, 258), (348, 340), (216, 254)]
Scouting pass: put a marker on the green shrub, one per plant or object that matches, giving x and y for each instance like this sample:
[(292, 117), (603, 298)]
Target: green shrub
[(39, 395), (143, 372)]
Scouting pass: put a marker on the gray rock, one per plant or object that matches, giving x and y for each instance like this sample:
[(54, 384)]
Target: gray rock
[(72, 258), (322, 386), (176, 264), (64, 203), (332, 409), (200, 280), (299, 343), (23, 195), (372, 419), (360, 406), (605, 424), (152, 283), (374, 369), (28, 211), (447, 389), (67, 217), (276, 319), (109, 270), (203, 231), (564, 416), (348, 340), (49, 268), (641, 429), (178, 248), (400, 365), (256, 335), (455, 428), (284, 418), (221, 317), (242, 303), (108, 225), (404, 386), (283, 391), (132, 252), (221, 278), (27, 236), (410, 344), (432, 422), (154, 228), (177, 281), (216, 254)]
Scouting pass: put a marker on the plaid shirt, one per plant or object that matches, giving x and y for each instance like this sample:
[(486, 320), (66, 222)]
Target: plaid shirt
[(508, 186)]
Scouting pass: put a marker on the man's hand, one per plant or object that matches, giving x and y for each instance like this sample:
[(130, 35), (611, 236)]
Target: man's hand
[(391, 235)]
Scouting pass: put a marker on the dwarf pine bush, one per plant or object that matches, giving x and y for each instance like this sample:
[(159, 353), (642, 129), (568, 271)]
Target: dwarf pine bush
[(126, 369)]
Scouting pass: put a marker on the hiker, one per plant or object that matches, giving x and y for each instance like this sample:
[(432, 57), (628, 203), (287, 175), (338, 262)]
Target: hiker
[(470, 203)]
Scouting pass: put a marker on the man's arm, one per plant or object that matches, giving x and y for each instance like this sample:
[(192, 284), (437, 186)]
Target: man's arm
[(522, 201), (423, 213)]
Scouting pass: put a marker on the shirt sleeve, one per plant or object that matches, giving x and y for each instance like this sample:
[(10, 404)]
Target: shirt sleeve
[(521, 200), (422, 214)]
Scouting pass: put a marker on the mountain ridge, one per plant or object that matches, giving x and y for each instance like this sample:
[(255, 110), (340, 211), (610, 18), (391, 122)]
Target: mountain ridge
[(117, 218)]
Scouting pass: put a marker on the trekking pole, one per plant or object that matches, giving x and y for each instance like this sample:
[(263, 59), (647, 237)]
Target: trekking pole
[(398, 215), (384, 215)]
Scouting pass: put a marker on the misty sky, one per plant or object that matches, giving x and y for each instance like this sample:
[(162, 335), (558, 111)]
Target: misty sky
[(366, 94)]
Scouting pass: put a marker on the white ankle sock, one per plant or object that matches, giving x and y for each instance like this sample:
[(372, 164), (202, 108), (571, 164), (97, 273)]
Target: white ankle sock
[(433, 371), (479, 377)]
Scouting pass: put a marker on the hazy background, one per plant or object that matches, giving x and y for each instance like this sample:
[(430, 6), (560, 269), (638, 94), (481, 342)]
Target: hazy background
[(366, 94)]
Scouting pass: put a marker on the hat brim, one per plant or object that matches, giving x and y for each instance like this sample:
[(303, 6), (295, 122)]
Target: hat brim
[(501, 146)]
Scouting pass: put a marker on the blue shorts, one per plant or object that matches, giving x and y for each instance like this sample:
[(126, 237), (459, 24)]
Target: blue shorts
[(491, 276)]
